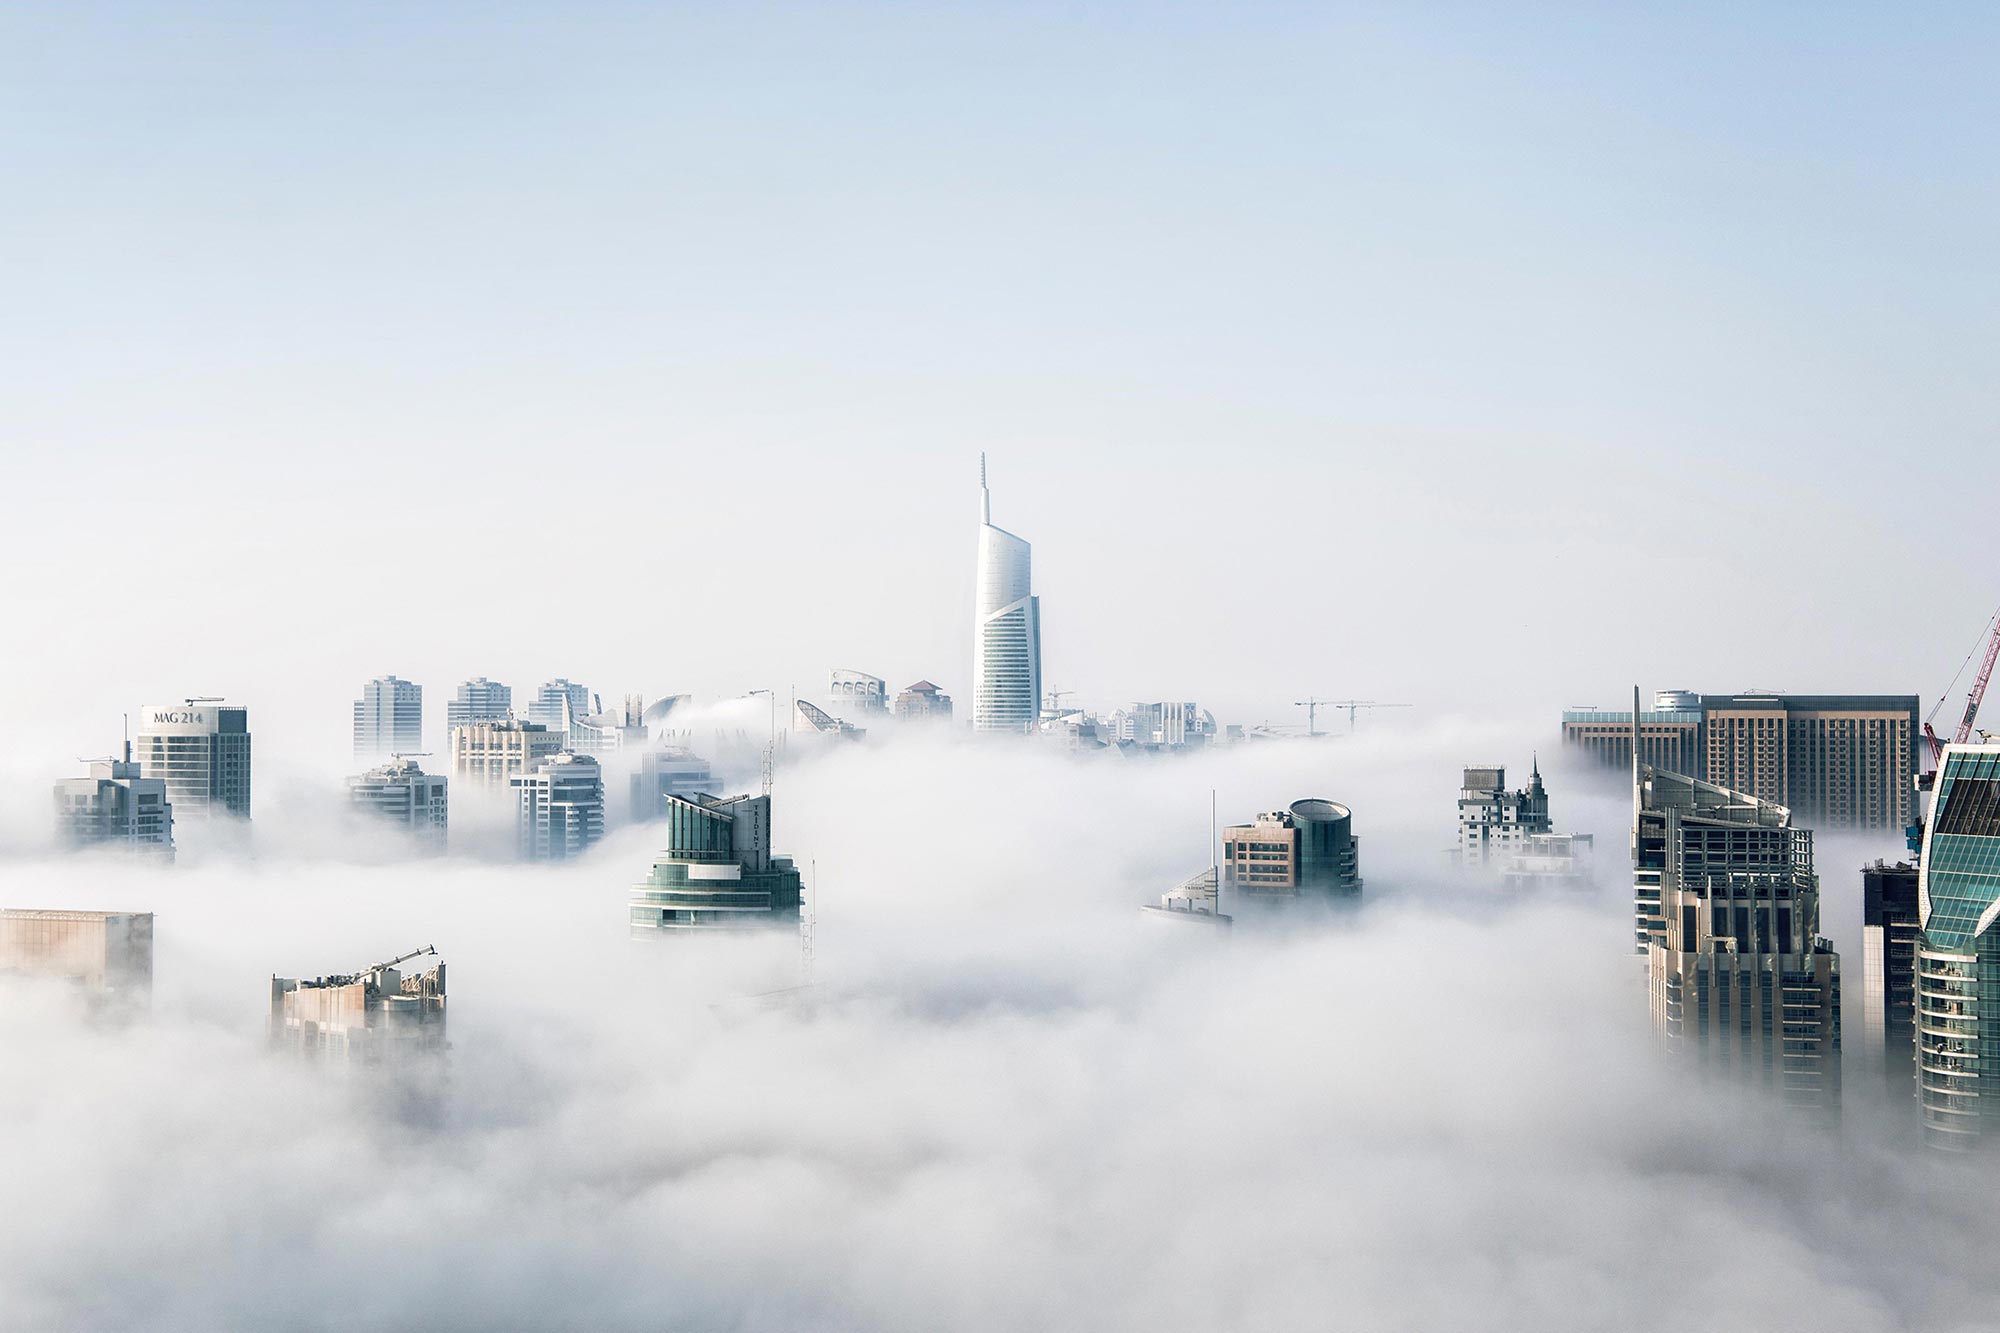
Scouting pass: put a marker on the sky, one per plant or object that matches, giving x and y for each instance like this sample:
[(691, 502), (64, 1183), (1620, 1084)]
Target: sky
[(1351, 351), (1487, 359)]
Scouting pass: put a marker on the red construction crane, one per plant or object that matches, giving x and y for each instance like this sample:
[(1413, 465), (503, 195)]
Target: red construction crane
[(1972, 700)]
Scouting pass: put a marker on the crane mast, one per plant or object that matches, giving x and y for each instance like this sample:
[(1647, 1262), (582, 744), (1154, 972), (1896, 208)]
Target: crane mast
[(1972, 699)]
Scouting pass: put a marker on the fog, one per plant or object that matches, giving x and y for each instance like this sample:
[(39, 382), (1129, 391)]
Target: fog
[(1007, 1101)]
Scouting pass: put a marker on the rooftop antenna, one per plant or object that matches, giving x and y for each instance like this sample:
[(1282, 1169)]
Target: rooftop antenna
[(806, 926), (128, 737), (985, 497)]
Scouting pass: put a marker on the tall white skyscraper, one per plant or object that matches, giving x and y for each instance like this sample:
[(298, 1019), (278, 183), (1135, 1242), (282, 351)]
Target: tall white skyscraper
[(1007, 629), (550, 702), (201, 749), (479, 700), (388, 718)]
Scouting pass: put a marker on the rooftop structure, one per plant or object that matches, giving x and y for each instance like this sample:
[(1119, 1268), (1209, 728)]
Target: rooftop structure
[(1958, 953), (924, 701), (816, 721), (109, 954), (1494, 824), (1196, 900), (718, 871), (113, 806), (402, 794), (1306, 852), (856, 694), (375, 1017)]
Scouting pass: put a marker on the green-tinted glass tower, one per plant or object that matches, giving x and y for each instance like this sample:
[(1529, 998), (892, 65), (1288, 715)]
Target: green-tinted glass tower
[(718, 872), (1958, 952)]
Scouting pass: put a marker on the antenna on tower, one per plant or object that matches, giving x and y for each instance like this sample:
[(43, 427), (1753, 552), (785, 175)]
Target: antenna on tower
[(128, 737), (808, 920), (985, 496)]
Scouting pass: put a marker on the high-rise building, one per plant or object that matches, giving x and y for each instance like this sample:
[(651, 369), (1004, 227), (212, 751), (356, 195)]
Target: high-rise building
[(1159, 726), (1958, 952), (1727, 901), (404, 795), (485, 755), (1836, 761), (201, 749), (670, 771), (113, 805), (611, 731), (1307, 852), (557, 702), (1549, 861), (1494, 823), (858, 696), (377, 1016), (1007, 629), (924, 700), (479, 700), (1669, 738), (388, 718), (718, 872), (1889, 932), (561, 808), (107, 953)]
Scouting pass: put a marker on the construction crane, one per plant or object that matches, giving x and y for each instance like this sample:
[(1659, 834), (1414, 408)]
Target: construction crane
[(1972, 699), (1353, 706)]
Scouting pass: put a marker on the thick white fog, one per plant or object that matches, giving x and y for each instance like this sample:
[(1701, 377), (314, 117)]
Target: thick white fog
[(1008, 1102)]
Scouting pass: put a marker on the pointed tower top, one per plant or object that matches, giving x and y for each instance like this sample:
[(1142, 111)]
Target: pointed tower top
[(985, 496)]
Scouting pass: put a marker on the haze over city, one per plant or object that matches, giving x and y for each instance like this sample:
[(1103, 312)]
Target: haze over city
[(1478, 364)]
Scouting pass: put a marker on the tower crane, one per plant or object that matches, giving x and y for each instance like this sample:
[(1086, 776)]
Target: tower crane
[(1313, 705), (1972, 699)]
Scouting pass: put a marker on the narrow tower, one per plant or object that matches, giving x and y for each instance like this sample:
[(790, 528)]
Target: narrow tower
[(1007, 628)]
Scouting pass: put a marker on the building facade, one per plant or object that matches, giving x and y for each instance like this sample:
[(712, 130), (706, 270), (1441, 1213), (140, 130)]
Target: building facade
[(1007, 629), (1305, 853), (1836, 761), (380, 1016), (388, 718), (401, 793), (1889, 931), (484, 755), (113, 805), (1550, 861), (858, 696), (200, 749), (1738, 978), (557, 701), (108, 954), (718, 872), (1958, 953), (1495, 824), (924, 701), (479, 700), (560, 810), (670, 771)]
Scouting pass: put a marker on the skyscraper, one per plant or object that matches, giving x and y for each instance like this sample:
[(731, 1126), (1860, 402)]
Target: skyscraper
[(1494, 823), (479, 700), (201, 749), (403, 794), (1889, 933), (672, 770), (485, 755), (1958, 952), (925, 701), (1836, 761), (1307, 852), (561, 808), (1727, 900), (718, 872), (557, 702), (113, 805), (1007, 629), (388, 718), (107, 953)]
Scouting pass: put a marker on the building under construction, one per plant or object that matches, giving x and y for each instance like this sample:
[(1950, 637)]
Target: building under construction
[(378, 1016)]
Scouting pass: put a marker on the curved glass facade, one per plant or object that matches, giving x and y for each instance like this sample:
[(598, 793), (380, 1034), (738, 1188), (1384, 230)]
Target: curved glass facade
[(1958, 952)]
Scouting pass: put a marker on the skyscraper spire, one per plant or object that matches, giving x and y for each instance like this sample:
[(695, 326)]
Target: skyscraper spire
[(985, 496)]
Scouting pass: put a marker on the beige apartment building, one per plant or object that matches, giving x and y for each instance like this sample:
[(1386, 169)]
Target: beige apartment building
[(488, 754), (107, 952)]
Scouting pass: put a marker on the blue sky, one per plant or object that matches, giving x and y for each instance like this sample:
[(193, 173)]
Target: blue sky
[(1356, 350)]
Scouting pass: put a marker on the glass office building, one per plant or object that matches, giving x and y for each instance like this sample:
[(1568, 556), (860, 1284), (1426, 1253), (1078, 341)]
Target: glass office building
[(718, 872), (1958, 951)]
